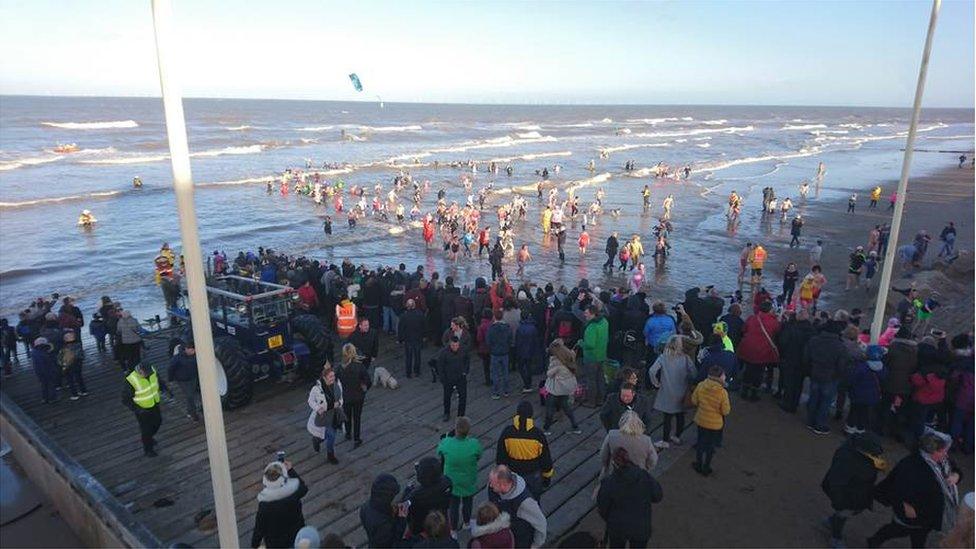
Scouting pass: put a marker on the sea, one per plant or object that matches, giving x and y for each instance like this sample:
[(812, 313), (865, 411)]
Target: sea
[(238, 145)]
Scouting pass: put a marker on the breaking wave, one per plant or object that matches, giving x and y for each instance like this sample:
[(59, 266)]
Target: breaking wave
[(116, 124)]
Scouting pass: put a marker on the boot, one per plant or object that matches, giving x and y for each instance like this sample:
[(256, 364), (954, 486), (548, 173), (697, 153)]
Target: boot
[(316, 444), (332, 458)]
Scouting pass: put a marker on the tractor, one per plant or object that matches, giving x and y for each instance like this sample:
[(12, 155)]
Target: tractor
[(257, 334)]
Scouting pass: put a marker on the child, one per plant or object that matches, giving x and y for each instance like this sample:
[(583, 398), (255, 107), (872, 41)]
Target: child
[(624, 257), (851, 202), (865, 390), (870, 268), (584, 241), (491, 528), (712, 402), (98, 331), (522, 258)]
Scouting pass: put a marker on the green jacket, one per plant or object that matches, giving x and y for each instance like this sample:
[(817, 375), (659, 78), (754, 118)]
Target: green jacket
[(460, 457), (595, 339)]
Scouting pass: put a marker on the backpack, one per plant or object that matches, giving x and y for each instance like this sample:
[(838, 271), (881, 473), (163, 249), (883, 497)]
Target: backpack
[(66, 357)]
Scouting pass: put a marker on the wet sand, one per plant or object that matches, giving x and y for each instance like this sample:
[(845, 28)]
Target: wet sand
[(766, 488)]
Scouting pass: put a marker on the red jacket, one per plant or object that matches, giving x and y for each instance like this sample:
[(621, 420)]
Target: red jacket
[(755, 347), (310, 300), (928, 388)]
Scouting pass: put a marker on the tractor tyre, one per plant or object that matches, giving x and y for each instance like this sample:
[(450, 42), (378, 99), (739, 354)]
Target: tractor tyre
[(234, 377)]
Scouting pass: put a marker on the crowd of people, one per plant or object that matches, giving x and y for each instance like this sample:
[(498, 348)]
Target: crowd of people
[(616, 349)]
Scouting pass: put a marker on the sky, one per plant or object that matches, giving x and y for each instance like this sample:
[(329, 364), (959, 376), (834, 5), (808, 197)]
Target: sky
[(841, 52)]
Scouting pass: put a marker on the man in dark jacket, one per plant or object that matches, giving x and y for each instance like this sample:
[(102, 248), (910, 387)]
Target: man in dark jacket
[(701, 311), (410, 332), (527, 345), (849, 483), (279, 516), (828, 360), (523, 448), (452, 364), (367, 341), (624, 502), (792, 342), (612, 246), (448, 293), (733, 320), (183, 370), (383, 520), (45, 368), (618, 403), (922, 491), (499, 340), (717, 355), (433, 493)]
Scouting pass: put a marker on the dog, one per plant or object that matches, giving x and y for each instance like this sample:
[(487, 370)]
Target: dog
[(383, 378)]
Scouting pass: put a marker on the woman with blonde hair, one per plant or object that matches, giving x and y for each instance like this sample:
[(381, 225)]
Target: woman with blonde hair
[(560, 384), (325, 400), (631, 437), (671, 374), (355, 381)]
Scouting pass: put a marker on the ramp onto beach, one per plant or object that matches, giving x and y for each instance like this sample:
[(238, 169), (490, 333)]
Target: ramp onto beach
[(171, 495)]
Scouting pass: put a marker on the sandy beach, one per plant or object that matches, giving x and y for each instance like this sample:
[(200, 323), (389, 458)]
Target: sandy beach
[(769, 460)]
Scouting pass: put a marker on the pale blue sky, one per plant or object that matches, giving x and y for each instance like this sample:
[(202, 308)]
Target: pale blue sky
[(777, 53)]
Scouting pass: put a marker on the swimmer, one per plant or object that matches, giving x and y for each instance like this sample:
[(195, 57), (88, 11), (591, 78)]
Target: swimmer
[(522, 258), (804, 189), (583, 242), (668, 204), (646, 195), (137, 182)]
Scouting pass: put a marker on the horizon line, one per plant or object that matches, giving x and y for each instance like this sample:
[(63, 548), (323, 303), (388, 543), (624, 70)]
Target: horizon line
[(501, 104)]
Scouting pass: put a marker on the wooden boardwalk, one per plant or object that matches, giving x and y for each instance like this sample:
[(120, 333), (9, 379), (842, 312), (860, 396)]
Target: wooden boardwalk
[(170, 493)]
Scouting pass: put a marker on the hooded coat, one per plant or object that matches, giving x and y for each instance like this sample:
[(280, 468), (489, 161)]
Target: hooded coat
[(849, 483), (624, 501), (279, 516), (497, 534), (431, 493), (383, 528)]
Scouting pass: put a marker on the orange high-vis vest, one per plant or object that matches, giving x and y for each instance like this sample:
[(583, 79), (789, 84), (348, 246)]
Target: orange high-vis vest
[(345, 318), (758, 257)]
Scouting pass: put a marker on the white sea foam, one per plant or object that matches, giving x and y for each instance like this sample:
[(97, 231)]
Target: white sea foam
[(391, 129), (528, 127), (307, 140), (239, 128), (623, 131), (714, 122), (529, 135), (789, 127), (572, 186), (506, 141), (410, 157), (687, 118), (852, 125), (631, 146), (580, 125), (703, 145), (700, 131), (828, 132), (315, 128), (115, 124), (57, 199), (30, 161), (249, 149), (532, 156), (607, 121), (680, 140), (651, 121), (706, 138)]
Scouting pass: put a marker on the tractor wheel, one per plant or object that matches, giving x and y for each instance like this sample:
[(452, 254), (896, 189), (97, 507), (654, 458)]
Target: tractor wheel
[(313, 333), (233, 373)]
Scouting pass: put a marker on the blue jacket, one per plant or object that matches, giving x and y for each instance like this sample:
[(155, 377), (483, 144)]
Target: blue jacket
[(865, 384), (526, 339), (716, 355), (269, 273), (657, 329), (182, 367), (499, 339), (43, 361)]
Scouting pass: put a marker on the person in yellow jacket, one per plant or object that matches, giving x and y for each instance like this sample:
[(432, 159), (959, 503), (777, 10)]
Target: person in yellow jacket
[(712, 402), (636, 251), (757, 258), (140, 394), (524, 449), (875, 197), (546, 219), (345, 318)]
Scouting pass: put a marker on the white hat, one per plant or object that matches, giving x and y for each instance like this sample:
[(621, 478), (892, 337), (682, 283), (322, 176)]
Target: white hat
[(41, 341)]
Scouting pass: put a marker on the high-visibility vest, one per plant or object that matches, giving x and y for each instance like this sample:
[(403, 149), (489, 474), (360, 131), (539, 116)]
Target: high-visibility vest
[(346, 318), (146, 389)]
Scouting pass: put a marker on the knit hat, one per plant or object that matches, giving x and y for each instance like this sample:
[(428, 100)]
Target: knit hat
[(41, 341), (524, 409), (307, 537), (893, 322), (282, 478), (51, 316)]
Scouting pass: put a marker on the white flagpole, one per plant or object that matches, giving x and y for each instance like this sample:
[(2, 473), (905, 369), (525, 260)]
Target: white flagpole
[(195, 280), (889, 262)]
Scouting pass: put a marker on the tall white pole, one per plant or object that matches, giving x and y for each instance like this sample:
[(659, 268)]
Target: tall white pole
[(179, 152), (889, 262)]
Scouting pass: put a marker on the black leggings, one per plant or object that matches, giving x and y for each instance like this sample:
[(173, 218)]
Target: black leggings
[(893, 530), (462, 503), (354, 419), (679, 425)]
